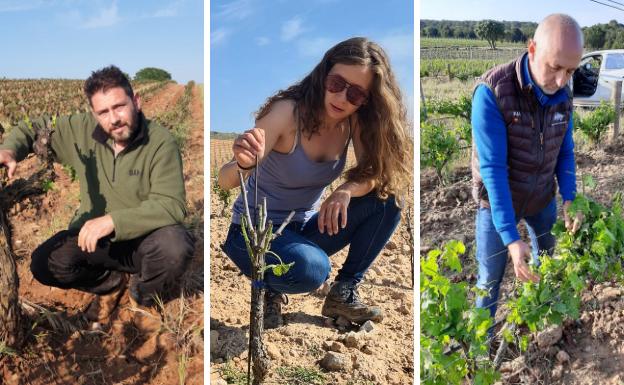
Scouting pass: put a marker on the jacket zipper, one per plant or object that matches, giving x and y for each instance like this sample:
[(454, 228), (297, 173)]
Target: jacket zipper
[(541, 114), (114, 166)]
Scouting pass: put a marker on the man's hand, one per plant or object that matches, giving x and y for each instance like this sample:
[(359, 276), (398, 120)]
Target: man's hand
[(7, 159), (93, 230), (336, 204), (519, 252), (572, 225)]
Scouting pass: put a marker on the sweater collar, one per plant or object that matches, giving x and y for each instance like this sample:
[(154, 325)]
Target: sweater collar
[(543, 99), (100, 136)]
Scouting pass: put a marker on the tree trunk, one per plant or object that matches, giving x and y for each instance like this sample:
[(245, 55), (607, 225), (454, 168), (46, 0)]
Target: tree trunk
[(10, 332), (257, 349)]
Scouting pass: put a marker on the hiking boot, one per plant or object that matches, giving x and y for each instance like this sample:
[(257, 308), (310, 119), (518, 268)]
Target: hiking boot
[(273, 309), (343, 300), (103, 305)]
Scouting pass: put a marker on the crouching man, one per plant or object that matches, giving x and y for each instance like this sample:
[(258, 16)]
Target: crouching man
[(127, 231)]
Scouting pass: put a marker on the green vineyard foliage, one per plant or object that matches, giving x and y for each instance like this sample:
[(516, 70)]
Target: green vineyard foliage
[(591, 255), (438, 146), (596, 123), (448, 319)]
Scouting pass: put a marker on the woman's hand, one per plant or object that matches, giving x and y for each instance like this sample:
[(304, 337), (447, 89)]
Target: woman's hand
[(335, 205), (247, 145)]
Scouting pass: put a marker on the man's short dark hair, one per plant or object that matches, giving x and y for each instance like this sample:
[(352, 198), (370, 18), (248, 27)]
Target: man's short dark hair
[(106, 78)]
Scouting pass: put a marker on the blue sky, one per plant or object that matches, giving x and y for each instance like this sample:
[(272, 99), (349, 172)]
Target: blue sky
[(261, 46), (71, 38), (585, 12)]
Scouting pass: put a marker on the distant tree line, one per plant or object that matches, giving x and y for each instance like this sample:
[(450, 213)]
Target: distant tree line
[(598, 36), (605, 36), (511, 31)]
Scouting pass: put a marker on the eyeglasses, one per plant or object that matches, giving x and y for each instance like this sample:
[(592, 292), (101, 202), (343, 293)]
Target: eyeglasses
[(355, 94)]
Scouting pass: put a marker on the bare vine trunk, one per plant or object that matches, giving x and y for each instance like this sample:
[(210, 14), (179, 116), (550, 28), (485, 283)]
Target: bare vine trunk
[(10, 332), (257, 349)]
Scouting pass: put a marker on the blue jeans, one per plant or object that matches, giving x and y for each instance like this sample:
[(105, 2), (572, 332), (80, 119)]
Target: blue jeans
[(370, 223), (492, 253)]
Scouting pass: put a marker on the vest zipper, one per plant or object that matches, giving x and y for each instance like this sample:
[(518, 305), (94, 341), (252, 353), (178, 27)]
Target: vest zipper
[(541, 114)]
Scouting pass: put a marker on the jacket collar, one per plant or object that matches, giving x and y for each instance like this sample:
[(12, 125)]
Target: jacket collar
[(527, 84), (100, 136)]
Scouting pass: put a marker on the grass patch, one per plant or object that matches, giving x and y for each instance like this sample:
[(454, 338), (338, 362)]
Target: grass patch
[(182, 362), (299, 375), (5, 350), (233, 375)]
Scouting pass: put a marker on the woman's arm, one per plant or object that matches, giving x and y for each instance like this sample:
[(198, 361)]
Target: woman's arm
[(268, 133)]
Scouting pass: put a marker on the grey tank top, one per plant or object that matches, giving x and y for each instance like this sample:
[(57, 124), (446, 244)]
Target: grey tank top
[(289, 182)]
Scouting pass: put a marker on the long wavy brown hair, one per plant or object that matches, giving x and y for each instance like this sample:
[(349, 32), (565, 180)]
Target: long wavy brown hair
[(383, 124)]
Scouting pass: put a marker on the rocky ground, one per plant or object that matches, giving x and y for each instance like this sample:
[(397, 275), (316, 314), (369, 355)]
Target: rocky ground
[(310, 349), (582, 352), (61, 347)]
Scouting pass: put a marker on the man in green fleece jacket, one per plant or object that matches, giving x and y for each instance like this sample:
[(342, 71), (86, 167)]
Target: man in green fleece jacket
[(132, 199)]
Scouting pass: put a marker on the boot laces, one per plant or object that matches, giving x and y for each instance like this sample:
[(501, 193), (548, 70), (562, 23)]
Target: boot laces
[(350, 294)]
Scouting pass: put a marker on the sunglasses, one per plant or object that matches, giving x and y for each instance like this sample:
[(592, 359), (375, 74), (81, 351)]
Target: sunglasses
[(355, 94)]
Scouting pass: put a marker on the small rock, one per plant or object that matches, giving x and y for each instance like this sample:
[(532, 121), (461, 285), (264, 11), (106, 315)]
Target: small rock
[(406, 249), (367, 350), (327, 345), (351, 340), (563, 357), (336, 347), (273, 352), (96, 326), (512, 366), (557, 373), (299, 341), (391, 245), (376, 270), (549, 337), (367, 327), (334, 361), (609, 294)]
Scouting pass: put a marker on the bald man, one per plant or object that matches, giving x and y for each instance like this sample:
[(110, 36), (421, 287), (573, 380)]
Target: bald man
[(522, 130)]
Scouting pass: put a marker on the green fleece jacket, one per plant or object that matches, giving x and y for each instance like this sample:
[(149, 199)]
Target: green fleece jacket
[(142, 188)]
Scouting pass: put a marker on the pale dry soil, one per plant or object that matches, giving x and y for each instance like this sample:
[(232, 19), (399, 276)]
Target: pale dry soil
[(383, 356), (594, 343), (61, 349)]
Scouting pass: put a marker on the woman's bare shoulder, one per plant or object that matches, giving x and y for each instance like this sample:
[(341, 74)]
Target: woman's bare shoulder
[(280, 117)]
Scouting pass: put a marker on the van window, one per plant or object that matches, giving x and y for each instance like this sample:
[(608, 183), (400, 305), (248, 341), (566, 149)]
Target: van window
[(614, 61)]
